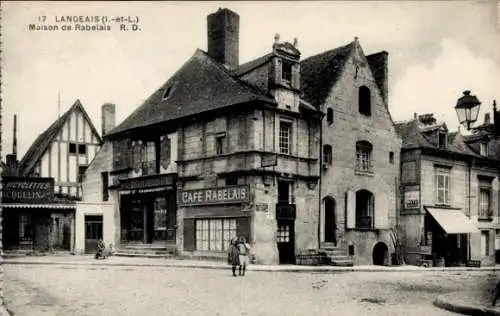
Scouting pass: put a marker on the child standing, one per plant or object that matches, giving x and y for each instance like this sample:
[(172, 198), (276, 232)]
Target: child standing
[(244, 251)]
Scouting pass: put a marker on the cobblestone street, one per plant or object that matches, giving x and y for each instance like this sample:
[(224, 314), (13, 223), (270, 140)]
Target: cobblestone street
[(68, 290)]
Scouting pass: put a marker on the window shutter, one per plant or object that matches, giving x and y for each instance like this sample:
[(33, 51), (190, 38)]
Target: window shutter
[(381, 216), (350, 206), (243, 227), (165, 152), (137, 153), (189, 235), (296, 76)]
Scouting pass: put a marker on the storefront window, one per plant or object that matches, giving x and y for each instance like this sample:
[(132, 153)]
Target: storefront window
[(160, 221), (214, 234), (25, 228)]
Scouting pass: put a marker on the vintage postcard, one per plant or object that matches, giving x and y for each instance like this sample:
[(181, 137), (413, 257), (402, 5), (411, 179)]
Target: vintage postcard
[(250, 158)]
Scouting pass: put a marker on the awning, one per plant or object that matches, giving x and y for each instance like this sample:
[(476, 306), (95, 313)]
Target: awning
[(26, 205), (452, 221)]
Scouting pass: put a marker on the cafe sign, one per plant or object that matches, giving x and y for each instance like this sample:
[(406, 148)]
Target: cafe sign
[(214, 196), (27, 190)]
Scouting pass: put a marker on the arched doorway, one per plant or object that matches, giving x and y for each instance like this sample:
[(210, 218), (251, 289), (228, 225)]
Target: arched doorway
[(380, 254), (330, 220)]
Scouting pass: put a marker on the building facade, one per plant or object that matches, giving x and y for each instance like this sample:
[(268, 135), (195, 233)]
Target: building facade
[(36, 219), (450, 199), (360, 151)]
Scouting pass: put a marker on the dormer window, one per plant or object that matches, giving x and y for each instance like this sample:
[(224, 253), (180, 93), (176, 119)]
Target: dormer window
[(442, 140), (483, 149), (286, 71), (167, 92)]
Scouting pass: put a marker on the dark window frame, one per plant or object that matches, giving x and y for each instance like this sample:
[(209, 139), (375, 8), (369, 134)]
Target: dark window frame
[(365, 101)]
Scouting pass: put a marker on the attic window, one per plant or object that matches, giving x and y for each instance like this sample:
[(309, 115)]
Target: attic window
[(364, 101), (72, 148), (286, 71), (167, 92), (442, 140), (329, 116), (483, 149)]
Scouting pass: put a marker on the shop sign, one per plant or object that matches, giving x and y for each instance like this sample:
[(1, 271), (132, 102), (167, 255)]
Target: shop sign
[(269, 160), (145, 182), (210, 196), (27, 190), (412, 197)]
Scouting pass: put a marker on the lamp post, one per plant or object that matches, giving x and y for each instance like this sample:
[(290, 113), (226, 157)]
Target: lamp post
[(467, 109)]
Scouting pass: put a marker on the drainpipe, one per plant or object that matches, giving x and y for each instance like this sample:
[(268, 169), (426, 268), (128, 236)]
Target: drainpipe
[(320, 179), (469, 169)]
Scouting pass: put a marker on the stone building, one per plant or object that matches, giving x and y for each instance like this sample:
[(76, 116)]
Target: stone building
[(360, 152), (449, 186), (269, 150)]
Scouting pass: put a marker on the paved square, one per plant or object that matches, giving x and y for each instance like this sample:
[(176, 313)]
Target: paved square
[(82, 290)]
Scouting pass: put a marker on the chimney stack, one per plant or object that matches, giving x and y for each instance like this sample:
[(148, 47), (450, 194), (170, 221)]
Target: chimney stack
[(14, 141), (496, 119), (223, 37), (108, 117), (487, 118)]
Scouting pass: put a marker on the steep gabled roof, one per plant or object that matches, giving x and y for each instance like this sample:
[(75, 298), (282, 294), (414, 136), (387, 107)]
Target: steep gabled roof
[(251, 65), (42, 142), (320, 72), (200, 85)]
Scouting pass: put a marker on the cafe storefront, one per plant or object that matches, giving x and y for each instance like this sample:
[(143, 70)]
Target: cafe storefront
[(148, 210), (211, 217), (33, 220)]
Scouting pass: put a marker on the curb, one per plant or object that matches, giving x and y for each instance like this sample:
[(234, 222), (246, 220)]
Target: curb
[(294, 269), (443, 303)]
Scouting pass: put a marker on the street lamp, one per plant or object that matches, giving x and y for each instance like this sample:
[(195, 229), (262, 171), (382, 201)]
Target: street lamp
[(467, 109)]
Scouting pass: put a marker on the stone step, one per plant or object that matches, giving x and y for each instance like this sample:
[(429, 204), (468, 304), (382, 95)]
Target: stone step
[(143, 252), (144, 247), (138, 255), (332, 252), (342, 263)]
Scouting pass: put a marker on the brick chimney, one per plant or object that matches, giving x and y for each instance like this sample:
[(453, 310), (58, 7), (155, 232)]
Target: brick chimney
[(379, 64), (107, 118), (223, 37)]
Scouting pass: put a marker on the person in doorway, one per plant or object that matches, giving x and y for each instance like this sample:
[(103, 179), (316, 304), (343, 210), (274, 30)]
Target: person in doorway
[(233, 255), (101, 247), (243, 251)]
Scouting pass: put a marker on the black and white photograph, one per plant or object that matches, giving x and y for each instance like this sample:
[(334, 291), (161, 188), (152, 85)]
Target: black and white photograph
[(250, 158)]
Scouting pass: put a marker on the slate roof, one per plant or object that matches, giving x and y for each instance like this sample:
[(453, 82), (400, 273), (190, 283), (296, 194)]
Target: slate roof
[(200, 85), (320, 72), (412, 136), (42, 142), (251, 65), (377, 66)]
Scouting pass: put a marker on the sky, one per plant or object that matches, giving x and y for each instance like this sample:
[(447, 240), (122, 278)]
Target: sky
[(436, 51)]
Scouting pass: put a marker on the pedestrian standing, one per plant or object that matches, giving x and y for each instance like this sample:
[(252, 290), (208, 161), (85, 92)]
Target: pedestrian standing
[(233, 255), (243, 250)]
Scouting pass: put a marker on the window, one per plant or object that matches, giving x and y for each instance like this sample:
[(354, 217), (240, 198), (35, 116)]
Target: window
[(285, 192), (285, 137), (214, 234), (442, 185), (283, 233), (365, 206), (72, 148), (149, 158), (391, 157), (105, 186), (364, 156), (286, 72), (442, 140), (25, 228), (231, 180), (364, 101), (485, 198), (329, 116), (327, 155), (483, 149), (219, 144), (167, 92), (82, 149)]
